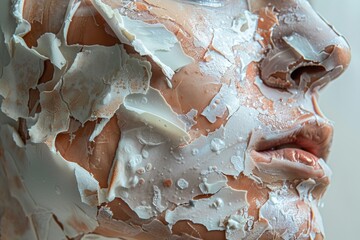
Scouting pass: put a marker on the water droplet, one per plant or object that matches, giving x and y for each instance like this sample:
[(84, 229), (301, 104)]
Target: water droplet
[(195, 151), (145, 153), (217, 145), (127, 148)]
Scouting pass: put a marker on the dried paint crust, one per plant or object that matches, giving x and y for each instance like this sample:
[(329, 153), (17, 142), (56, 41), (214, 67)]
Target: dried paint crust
[(128, 120)]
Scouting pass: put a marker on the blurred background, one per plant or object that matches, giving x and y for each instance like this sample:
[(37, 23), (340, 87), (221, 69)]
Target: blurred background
[(340, 102)]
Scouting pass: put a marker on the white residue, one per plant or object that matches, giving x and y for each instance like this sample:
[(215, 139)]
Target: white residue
[(217, 145), (157, 199), (225, 99)]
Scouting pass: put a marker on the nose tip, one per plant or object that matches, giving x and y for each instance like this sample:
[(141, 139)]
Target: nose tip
[(293, 67), (305, 51), (317, 71)]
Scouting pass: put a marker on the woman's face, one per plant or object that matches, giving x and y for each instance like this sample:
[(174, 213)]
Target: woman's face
[(204, 123)]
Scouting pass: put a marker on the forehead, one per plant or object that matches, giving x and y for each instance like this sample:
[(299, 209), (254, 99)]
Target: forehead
[(182, 11), (199, 25)]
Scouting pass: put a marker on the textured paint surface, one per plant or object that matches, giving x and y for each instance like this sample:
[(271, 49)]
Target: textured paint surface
[(128, 120)]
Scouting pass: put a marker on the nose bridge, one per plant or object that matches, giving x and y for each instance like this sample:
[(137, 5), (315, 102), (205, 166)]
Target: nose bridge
[(305, 50)]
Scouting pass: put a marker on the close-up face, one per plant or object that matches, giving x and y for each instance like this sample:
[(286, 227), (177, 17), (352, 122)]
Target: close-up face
[(164, 119)]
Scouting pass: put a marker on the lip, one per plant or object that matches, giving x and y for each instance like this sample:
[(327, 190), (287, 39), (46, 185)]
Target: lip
[(298, 153)]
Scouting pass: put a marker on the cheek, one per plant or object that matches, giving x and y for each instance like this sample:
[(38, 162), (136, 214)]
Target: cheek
[(277, 109), (192, 92)]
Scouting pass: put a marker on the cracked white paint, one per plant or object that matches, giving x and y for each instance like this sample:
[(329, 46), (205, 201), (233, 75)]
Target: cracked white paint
[(160, 168), (99, 79), (153, 40)]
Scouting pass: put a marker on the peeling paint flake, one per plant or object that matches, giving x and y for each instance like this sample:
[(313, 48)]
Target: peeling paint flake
[(49, 46), (127, 159), (226, 99), (7, 29), (157, 201), (235, 226), (59, 194), (46, 227), (96, 237), (305, 188), (100, 78), (303, 47), (98, 129), (53, 118), (212, 182), (21, 75), (189, 118), (153, 40), (153, 109), (88, 187)]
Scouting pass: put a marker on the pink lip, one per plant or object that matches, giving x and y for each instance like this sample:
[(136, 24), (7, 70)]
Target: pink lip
[(295, 153), (290, 154)]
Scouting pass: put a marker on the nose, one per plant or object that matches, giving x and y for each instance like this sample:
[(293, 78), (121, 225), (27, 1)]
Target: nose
[(302, 49)]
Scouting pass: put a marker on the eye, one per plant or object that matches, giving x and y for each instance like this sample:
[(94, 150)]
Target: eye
[(208, 3)]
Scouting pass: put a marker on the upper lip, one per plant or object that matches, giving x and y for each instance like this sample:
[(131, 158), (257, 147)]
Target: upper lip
[(312, 135)]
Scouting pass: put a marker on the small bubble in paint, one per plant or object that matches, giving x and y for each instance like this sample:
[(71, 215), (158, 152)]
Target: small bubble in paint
[(182, 183), (217, 145), (148, 167), (195, 151), (144, 153), (140, 171)]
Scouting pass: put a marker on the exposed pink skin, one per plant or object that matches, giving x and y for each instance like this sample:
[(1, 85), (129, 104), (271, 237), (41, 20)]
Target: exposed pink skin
[(276, 164)]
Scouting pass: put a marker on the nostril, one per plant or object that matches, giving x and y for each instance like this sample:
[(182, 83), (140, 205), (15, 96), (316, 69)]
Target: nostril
[(286, 68), (302, 53), (313, 72)]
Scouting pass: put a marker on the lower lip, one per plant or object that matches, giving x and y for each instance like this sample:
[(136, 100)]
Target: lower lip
[(289, 163)]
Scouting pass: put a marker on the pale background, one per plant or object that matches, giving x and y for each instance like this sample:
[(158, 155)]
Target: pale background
[(340, 102)]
